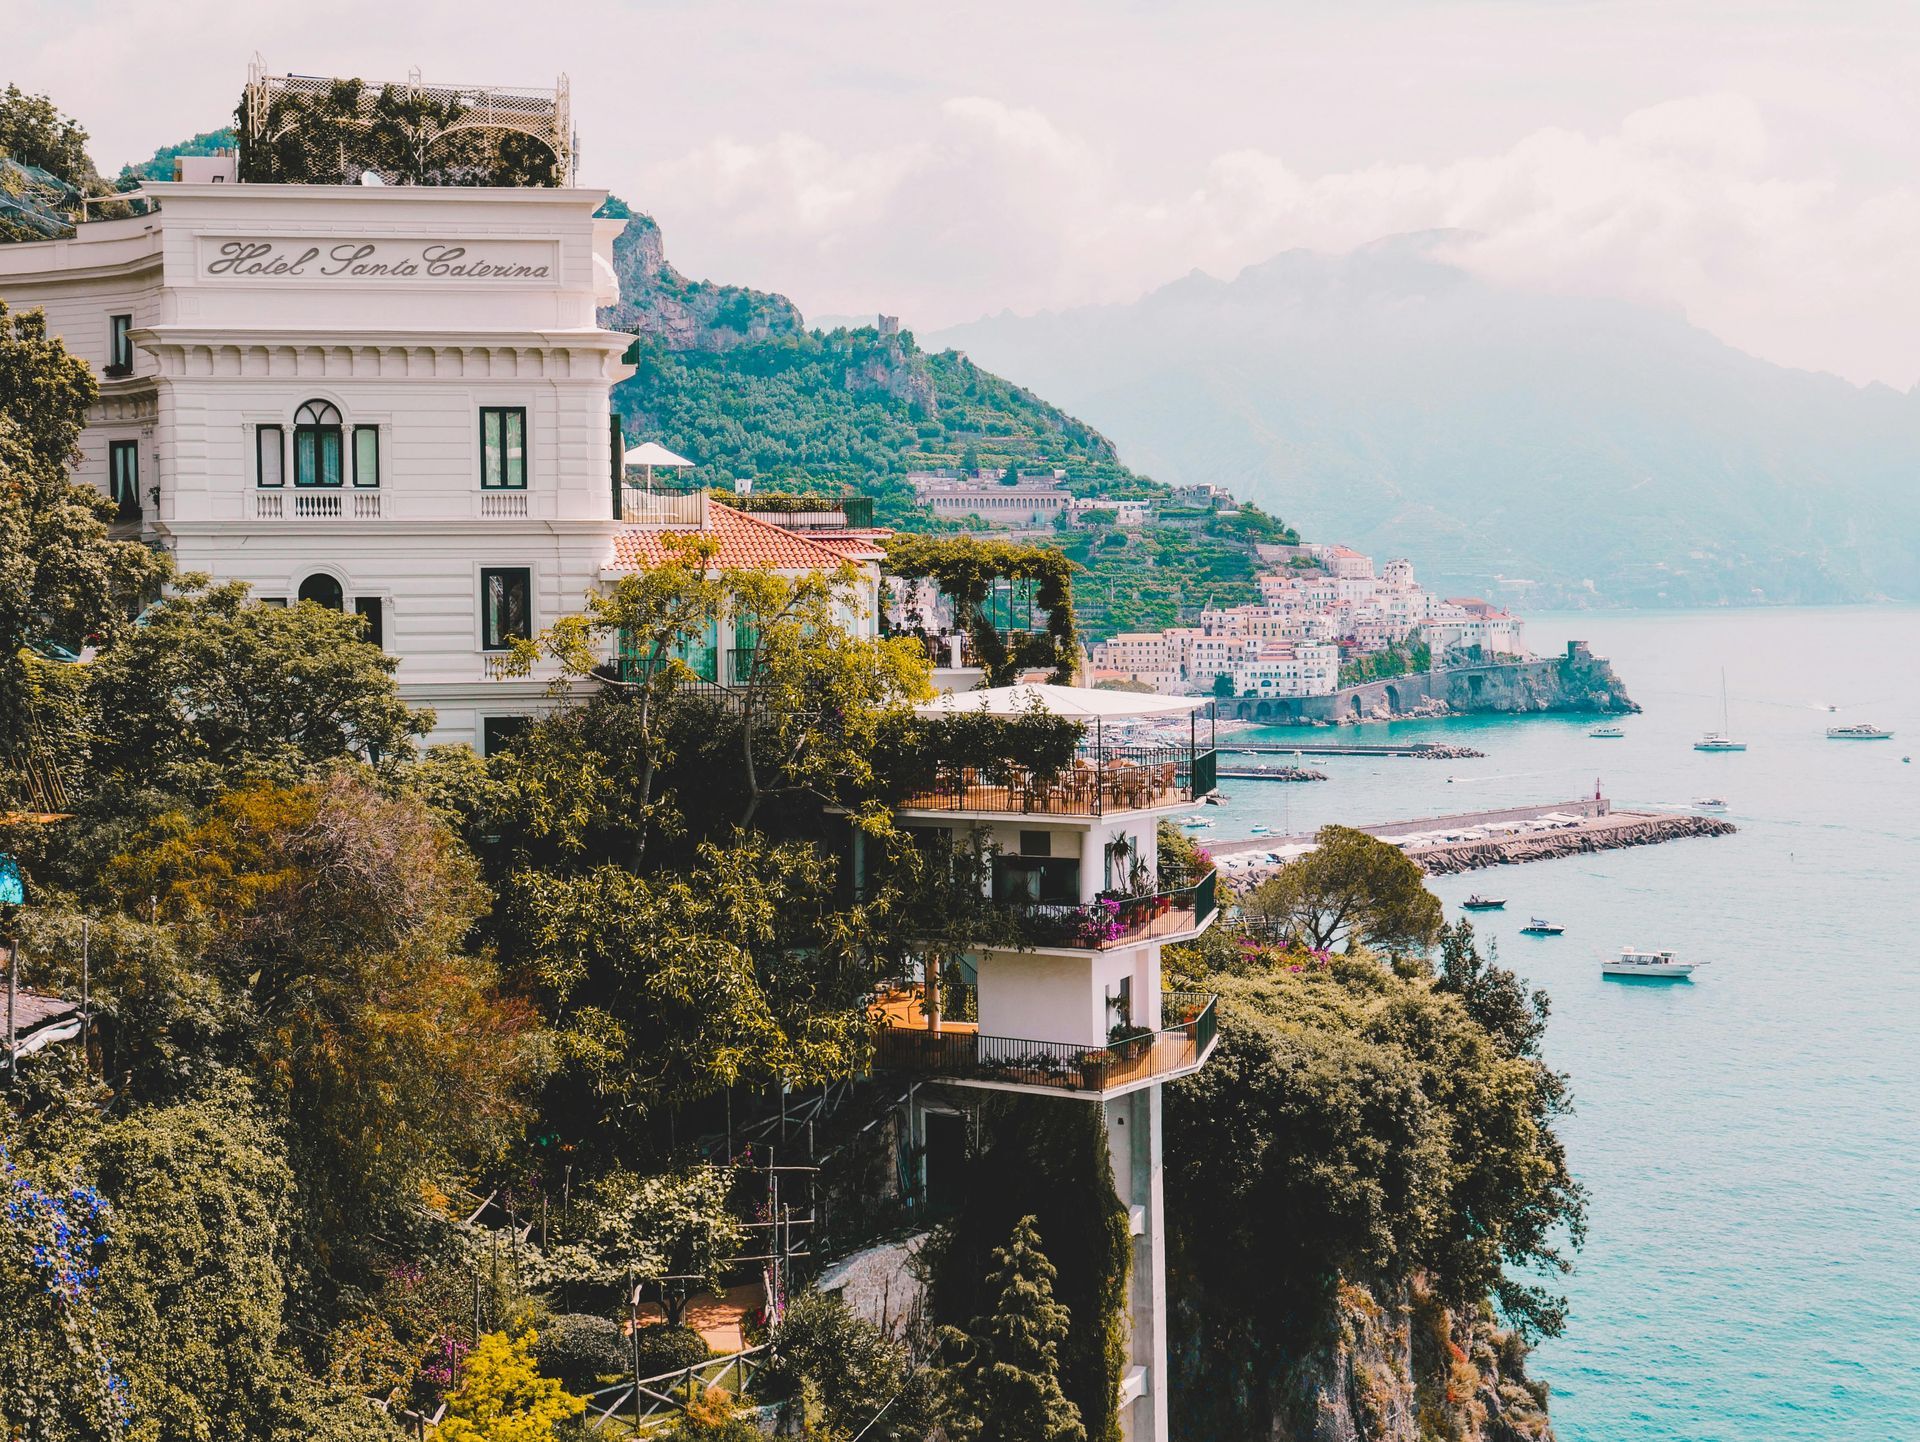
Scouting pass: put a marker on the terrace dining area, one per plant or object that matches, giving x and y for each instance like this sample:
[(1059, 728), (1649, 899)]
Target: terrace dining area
[(1109, 771)]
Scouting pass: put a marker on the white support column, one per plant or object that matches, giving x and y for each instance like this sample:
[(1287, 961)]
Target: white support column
[(1134, 1145)]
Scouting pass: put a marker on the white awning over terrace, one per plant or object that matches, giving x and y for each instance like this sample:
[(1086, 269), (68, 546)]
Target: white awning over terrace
[(1079, 703)]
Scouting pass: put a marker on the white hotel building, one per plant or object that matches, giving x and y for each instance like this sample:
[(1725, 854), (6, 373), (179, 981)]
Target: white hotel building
[(393, 400)]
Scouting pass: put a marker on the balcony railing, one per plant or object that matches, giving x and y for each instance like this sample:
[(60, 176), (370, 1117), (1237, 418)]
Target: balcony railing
[(967, 1056), (1121, 921), (1099, 780), (656, 507)]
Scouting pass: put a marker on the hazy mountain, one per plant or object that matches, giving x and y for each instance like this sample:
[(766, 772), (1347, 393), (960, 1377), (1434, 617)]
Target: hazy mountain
[(1538, 447)]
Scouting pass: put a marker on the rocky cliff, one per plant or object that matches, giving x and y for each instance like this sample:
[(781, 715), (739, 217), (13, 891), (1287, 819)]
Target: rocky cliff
[(1577, 683), (686, 315), (1394, 1366)]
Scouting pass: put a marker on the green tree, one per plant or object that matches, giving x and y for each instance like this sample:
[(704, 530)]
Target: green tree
[(666, 988), (335, 919), (841, 1373), (1003, 1384), (193, 1291), (58, 1382), (34, 132), (502, 1397), (1494, 997), (649, 615), (1352, 889), (216, 690), (62, 580), (815, 693), (1223, 685), (672, 1231)]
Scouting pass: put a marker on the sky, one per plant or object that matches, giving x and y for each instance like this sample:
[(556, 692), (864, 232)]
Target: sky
[(1751, 165)]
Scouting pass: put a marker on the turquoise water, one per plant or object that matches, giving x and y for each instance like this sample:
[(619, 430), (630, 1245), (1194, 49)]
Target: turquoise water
[(1751, 1140)]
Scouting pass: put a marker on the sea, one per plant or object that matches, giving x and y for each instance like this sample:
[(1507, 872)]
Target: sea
[(1750, 1139)]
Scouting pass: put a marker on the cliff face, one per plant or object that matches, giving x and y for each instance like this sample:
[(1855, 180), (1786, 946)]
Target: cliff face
[(1579, 684), (1396, 1366), (656, 300)]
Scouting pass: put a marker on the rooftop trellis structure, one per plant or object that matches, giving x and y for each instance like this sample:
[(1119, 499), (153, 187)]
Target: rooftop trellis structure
[(321, 130)]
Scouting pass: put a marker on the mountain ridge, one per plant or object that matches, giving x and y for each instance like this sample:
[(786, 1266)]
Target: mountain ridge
[(1545, 448)]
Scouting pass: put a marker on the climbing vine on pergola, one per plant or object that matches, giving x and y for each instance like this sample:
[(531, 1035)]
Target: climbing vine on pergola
[(966, 569)]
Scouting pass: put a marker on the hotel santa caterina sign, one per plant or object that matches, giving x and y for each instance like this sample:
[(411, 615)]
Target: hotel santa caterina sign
[(294, 260)]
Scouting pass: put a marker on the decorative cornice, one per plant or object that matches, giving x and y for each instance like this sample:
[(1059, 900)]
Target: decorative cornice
[(194, 352)]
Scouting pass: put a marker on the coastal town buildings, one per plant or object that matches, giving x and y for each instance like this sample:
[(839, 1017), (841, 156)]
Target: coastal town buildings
[(1319, 605)]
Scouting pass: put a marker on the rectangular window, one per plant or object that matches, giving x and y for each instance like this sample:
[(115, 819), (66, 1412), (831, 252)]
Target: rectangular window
[(120, 345), (497, 731), (123, 475), (366, 455), (506, 606), (1036, 843), (1033, 878), (270, 456), (503, 447), (316, 455), (367, 608)]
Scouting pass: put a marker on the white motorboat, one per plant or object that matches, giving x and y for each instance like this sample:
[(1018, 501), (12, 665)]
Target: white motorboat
[(1661, 965), (1540, 926), (1607, 733), (1709, 803), (1860, 732)]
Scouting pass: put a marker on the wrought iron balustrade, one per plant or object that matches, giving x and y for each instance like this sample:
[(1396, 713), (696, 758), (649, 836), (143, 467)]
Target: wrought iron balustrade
[(1174, 911), (968, 1056)]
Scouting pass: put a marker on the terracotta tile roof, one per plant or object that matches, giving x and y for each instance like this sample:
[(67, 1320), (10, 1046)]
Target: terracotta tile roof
[(745, 544), (854, 545)]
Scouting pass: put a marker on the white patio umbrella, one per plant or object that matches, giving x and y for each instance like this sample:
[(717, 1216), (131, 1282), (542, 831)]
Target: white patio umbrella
[(649, 454)]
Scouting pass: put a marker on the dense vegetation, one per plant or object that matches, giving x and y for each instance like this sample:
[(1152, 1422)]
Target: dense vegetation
[(1359, 1123)]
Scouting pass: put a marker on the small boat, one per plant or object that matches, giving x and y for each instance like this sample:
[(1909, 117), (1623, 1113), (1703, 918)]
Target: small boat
[(1607, 733), (1654, 965), (1477, 902), (1540, 926), (1860, 732), (1216, 799), (1261, 830), (1198, 823), (1709, 803)]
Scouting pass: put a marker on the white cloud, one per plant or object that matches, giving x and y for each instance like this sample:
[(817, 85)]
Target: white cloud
[(1000, 206), (1748, 164)]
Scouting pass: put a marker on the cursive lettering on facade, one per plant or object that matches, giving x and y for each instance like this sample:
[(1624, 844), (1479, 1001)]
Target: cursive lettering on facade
[(367, 260)]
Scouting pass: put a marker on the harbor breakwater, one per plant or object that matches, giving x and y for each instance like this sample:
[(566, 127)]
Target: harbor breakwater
[(1541, 832), (1608, 833), (1577, 682)]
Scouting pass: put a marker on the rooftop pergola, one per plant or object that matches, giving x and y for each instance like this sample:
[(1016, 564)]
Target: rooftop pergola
[(1106, 775)]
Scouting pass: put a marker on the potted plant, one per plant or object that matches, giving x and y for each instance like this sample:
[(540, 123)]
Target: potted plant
[(1094, 1068), (1128, 1041)]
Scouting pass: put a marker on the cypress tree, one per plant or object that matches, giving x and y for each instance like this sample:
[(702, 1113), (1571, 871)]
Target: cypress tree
[(1004, 1384)]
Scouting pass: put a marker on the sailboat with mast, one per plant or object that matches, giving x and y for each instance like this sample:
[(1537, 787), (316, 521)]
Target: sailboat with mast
[(1720, 740)]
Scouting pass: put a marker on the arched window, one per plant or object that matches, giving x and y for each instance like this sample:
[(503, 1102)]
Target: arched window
[(316, 445), (323, 590)]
